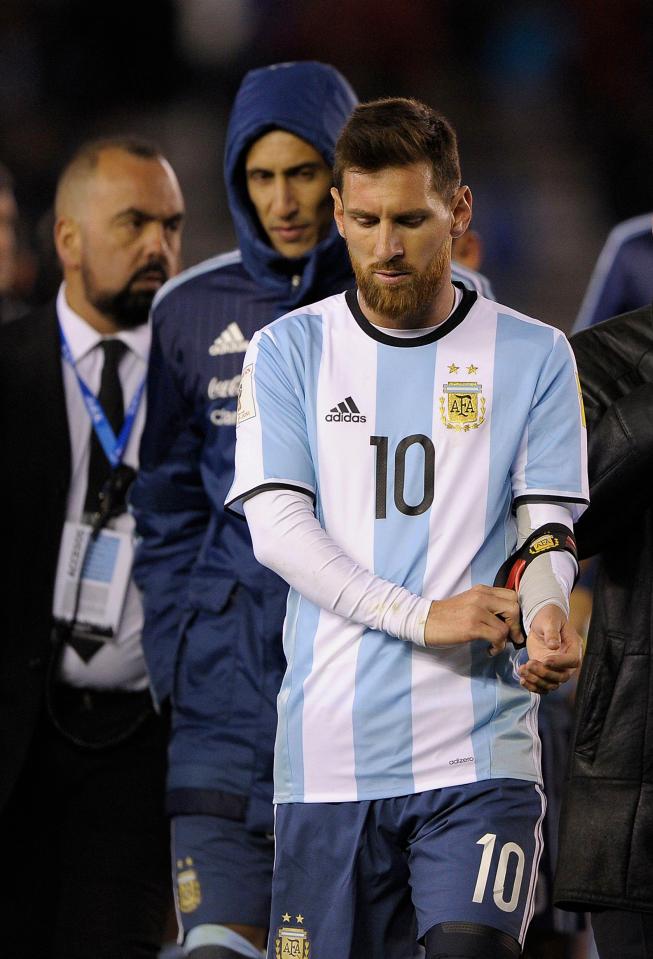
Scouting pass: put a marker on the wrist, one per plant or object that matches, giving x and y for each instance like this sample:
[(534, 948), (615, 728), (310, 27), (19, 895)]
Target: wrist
[(557, 606)]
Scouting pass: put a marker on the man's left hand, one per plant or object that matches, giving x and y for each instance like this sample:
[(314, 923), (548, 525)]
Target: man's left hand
[(554, 651)]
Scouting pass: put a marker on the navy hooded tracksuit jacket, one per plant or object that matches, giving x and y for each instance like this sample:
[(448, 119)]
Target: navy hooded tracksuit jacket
[(213, 615)]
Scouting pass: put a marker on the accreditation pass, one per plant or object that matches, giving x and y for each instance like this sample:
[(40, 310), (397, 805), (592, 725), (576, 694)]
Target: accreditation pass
[(104, 568)]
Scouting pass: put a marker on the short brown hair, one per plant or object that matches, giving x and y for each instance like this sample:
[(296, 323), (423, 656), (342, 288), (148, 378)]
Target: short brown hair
[(397, 131)]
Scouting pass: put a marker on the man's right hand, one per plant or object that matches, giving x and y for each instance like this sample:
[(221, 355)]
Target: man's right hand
[(488, 613)]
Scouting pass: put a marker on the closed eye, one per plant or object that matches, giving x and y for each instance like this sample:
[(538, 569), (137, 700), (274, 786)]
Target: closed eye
[(411, 221), (307, 171)]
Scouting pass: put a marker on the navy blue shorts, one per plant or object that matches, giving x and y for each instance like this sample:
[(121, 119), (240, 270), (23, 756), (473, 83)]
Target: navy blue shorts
[(222, 872), (371, 878)]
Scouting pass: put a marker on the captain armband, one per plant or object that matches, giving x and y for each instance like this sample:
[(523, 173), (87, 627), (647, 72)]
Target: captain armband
[(550, 538)]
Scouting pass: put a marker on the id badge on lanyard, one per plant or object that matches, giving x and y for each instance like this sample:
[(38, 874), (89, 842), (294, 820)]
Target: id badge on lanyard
[(92, 579), (95, 564)]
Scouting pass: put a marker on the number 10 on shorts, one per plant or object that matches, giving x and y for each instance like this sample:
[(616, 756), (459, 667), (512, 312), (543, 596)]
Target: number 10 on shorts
[(488, 841)]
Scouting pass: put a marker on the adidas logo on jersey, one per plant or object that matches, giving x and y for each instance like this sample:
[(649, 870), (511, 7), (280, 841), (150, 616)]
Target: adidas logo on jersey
[(230, 340), (345, 412)]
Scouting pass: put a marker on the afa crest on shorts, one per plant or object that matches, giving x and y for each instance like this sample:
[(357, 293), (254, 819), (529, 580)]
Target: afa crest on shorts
[(292, 942), (188, 886), (462, 404)]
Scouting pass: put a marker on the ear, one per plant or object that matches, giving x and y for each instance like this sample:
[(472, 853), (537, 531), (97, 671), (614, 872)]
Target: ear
[(461, 211), (338, 211), (67, 240)]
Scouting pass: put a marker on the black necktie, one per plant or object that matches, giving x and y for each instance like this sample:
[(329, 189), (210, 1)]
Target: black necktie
[(111, 401), (99, 467)]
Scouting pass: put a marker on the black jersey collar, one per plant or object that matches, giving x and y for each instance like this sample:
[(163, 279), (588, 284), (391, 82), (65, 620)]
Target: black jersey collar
[(466, 303)]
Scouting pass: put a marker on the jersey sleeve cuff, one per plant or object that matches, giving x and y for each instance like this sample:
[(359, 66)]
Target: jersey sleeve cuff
[(234, 505), (576, 501)]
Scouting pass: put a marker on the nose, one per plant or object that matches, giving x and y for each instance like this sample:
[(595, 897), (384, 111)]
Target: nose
[(388, 242), (155, 240), (284, 204)]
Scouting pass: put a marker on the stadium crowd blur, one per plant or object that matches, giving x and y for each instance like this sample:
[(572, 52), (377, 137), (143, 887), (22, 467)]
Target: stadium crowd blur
[(553, 103)]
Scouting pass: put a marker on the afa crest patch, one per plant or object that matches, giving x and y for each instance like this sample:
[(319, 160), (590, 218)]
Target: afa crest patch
[(462, 405), (544, 544), (292, 942), (188, 886)]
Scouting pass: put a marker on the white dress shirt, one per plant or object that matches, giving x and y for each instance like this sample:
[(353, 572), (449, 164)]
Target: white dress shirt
[(120, 663)]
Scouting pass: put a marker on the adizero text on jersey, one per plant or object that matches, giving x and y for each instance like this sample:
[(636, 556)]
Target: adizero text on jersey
[(460, 423)]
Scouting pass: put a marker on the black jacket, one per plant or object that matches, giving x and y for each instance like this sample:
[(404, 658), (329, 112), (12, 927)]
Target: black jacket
[(33, 490), (606, 828)]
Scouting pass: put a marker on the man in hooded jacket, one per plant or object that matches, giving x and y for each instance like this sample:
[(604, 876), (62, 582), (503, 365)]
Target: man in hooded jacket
[(213, 615)]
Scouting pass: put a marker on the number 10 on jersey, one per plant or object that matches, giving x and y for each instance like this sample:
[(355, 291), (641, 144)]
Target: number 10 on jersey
[(399, 457)]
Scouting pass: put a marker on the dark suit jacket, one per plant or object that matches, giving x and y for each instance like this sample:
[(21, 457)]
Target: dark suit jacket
[(34, 478)]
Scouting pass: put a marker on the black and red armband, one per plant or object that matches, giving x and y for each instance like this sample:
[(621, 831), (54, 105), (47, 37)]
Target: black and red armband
[(552, 538), (555, 537)]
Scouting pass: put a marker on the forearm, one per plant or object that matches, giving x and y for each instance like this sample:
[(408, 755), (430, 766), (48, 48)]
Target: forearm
[(549, 578), (288, 538)]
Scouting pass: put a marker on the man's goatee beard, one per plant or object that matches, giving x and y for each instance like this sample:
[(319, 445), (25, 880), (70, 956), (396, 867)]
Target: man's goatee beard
[(409, 304), (127, 310)]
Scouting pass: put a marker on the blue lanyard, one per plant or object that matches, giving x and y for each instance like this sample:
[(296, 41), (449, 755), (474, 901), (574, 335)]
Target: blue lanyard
[(113, 446)]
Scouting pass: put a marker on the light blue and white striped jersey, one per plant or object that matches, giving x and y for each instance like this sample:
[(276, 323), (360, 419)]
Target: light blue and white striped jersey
[(416, 451)]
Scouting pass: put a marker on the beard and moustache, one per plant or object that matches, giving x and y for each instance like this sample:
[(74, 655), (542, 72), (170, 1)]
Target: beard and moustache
[(128, 308), (410, 303)]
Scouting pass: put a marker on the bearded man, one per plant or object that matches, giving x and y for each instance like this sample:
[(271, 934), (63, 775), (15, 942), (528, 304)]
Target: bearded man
[(82, 750), (386, 438)]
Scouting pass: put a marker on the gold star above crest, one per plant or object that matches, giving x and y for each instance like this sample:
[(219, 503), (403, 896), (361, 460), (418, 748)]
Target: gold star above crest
[(453, 368), (189, 861), (285, 917), (299, 918), (472, 369)]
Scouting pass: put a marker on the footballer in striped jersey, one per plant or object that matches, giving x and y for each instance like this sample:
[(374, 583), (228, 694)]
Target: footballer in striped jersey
[(396, 443)]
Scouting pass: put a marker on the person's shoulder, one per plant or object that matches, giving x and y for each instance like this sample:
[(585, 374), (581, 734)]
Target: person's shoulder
[(27, 331), (538, 342), (626, 337), (309, 316), (197, 280), (631, 230), (298, 332), (529, 323)]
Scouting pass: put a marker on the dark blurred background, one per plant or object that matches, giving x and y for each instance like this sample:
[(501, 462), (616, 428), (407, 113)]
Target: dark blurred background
[(553, 103)]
